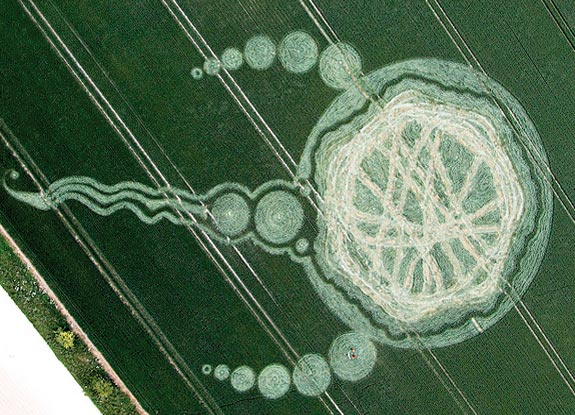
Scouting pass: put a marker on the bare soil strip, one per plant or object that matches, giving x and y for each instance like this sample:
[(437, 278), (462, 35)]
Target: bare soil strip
[(75, 327)]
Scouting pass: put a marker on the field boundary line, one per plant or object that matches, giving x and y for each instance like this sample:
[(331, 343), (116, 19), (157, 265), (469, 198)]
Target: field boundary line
[(113, 279), (76, 328), (117, 129)]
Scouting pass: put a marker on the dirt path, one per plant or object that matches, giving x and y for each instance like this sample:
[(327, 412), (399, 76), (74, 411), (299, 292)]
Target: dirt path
[(71, 321)]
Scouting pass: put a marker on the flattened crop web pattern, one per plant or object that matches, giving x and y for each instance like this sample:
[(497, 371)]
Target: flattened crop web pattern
[(428, 203), (423, 227), (433, 224)]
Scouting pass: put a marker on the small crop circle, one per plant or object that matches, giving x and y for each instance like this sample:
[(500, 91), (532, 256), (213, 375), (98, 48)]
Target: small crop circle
[(206, 369), (352, 356), (197, 73), (298, 52), (222, 372), (279, 217), (232, 59), (260, 52), (311, 375), (212, 66), (231, 214), (243, 379), (302, 245), (339, 64), (274, 381)]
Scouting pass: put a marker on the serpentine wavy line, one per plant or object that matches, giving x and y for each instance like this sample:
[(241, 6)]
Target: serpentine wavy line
[(106, 200)]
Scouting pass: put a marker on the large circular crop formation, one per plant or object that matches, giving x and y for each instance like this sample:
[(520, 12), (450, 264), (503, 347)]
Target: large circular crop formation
[(432, 192), (435, 211)]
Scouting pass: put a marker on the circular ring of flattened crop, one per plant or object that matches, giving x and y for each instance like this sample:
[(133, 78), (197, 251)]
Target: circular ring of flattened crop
[(206, 369), (243, 379), (339, 63), (352, 356), (260, 52), (231, 214), (302, 245), (435, 216), (298, 52), (232, 59), (311, 375), (212, 66), (279, 217), (197, 73), (274, 381), (222, 372)]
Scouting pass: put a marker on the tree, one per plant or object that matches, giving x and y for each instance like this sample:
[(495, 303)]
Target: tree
[(102, 387), (66, 338)]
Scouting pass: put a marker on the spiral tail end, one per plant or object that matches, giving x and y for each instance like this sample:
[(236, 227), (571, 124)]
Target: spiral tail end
[(34, 199)]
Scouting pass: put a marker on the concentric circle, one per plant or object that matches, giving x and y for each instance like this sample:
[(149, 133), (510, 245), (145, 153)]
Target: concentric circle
[(311, 375), (206, 369), (279, 217), (212, 66), (298, 52), (260, 52), (274, 381), (197, 73), (222, 372), (352, 356), (243, 379), (232, 59), (231, 214), (339, 64), (302, 245)]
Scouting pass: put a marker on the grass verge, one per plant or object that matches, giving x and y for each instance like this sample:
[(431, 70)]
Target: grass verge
[(42, 312)]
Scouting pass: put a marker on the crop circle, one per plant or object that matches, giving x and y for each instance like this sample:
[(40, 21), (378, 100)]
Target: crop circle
[(274, 381), (243, 379), (231, 214), (232, 59), (260, 52), (352, 356), (298, 52), (434, 216), (279, 217), (339, 63), (311, 375)]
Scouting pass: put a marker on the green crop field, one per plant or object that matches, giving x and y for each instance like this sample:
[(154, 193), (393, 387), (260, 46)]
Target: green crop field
[(207, 186)]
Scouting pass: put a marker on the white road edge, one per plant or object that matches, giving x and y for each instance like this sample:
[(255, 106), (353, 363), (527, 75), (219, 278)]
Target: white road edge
[(32, 379)]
